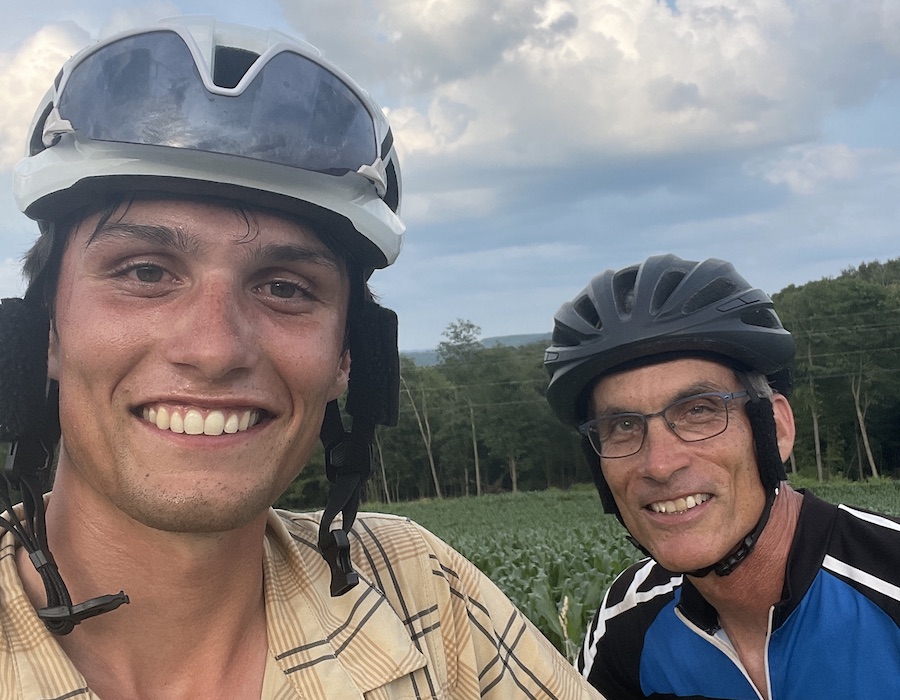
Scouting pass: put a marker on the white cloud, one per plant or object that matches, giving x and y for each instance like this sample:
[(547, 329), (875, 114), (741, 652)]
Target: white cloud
[(482, 87), (25, 75), (136, 15), (804, 169)]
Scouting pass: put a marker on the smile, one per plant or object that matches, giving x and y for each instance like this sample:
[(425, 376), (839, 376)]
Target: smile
[(194, 421), (679, 505)]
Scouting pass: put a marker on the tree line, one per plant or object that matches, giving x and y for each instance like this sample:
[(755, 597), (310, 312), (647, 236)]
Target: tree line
[(847, 373), (477, 421)]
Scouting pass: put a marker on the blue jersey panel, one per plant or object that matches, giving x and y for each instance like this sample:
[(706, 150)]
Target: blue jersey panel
[(678, 661), (836, 644)]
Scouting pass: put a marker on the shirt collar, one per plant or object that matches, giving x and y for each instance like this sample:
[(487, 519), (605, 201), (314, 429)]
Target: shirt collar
[(356, 640)]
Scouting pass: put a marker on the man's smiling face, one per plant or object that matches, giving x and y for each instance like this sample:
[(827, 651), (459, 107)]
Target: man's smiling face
[(687, 503), (196, 347)]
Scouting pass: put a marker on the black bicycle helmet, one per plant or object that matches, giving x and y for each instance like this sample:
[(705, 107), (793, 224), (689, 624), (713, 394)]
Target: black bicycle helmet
[(668, 307), (663, 305)]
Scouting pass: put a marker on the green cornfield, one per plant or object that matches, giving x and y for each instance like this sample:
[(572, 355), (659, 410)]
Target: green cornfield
[(554, 553)]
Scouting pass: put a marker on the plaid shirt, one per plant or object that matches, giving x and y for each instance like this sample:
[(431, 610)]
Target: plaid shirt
[(422, 623)]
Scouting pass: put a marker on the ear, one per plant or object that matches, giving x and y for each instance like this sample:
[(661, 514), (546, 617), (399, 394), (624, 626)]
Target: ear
[(785, 429), (341, 377), (53, 354)]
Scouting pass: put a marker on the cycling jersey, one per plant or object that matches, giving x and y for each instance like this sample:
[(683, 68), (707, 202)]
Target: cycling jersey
[(834, 634)]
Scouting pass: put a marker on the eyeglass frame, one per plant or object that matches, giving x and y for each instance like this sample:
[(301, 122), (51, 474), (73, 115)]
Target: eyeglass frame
[(725, 396)]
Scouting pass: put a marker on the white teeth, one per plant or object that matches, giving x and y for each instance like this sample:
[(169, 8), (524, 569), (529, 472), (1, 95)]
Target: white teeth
[(162, 418), (192, 422), (215, 423), (232, 424), (679, 505)]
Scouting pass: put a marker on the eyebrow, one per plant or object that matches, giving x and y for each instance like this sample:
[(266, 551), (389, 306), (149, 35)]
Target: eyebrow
[(683, 393), (175, 238), (165, 236), (293, 252)]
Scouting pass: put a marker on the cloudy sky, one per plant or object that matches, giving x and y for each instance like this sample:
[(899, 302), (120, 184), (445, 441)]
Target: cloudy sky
[(543, 141)]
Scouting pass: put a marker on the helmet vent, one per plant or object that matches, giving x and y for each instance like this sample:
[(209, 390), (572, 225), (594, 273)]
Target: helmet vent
[(668, 283), (585, 308), (36, 144), (231, 64), (392, 196), (764, 318), (623, 289), (565, 337), (720, 288)]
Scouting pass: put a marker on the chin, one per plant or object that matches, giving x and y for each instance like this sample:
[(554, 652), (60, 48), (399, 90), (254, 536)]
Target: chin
[(197, 513), (685, 559)]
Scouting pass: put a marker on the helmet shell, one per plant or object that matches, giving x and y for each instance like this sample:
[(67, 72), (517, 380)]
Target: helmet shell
[(662, 306), (67, 165)]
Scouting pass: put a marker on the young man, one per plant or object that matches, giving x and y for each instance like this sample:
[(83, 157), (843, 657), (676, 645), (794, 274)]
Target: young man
[(676, 373), (212, 200)]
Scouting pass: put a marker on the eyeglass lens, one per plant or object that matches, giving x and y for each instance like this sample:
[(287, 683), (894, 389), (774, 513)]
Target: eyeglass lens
[(691, 419)]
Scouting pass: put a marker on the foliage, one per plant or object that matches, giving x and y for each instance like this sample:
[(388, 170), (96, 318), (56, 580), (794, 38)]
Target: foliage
[(847, 371), (554, 553), (480, 417)]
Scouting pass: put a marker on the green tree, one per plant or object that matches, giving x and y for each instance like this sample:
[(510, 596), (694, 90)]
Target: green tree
[(460, 356), (848, 367)]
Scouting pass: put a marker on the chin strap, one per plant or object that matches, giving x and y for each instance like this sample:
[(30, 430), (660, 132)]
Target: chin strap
[(29, 425), (59, 616), (729, 563), (373, 399)]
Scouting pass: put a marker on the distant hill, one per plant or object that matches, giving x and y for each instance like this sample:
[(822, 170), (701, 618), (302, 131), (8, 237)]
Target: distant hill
[(426, 358)]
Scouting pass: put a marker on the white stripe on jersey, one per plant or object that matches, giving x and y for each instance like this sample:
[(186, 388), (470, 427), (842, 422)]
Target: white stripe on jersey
[(632, 599), (871, 518), (866, 579)]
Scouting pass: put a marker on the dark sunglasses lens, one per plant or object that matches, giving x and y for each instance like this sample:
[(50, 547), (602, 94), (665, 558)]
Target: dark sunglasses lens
[(146, 89)]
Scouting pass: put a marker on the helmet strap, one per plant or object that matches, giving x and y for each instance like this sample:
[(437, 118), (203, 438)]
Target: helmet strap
[(373, 398), (593, 462), (29, 423)]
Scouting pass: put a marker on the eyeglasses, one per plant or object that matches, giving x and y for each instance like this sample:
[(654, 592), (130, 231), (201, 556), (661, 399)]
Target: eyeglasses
[(692, 419)]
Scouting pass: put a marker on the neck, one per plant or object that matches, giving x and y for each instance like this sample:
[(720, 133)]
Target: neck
[(746, 595), (196, 599)]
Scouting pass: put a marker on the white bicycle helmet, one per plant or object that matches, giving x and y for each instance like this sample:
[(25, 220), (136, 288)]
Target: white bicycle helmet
[(194, 106)]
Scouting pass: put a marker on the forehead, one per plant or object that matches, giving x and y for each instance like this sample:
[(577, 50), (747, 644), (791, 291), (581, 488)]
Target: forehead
[(650, 385)]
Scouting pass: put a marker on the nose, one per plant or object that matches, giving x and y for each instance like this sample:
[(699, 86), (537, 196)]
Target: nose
[(213, 335), (663, 452)]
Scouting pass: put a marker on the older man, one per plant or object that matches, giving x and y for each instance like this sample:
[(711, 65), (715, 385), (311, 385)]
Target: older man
[(676, 373)]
